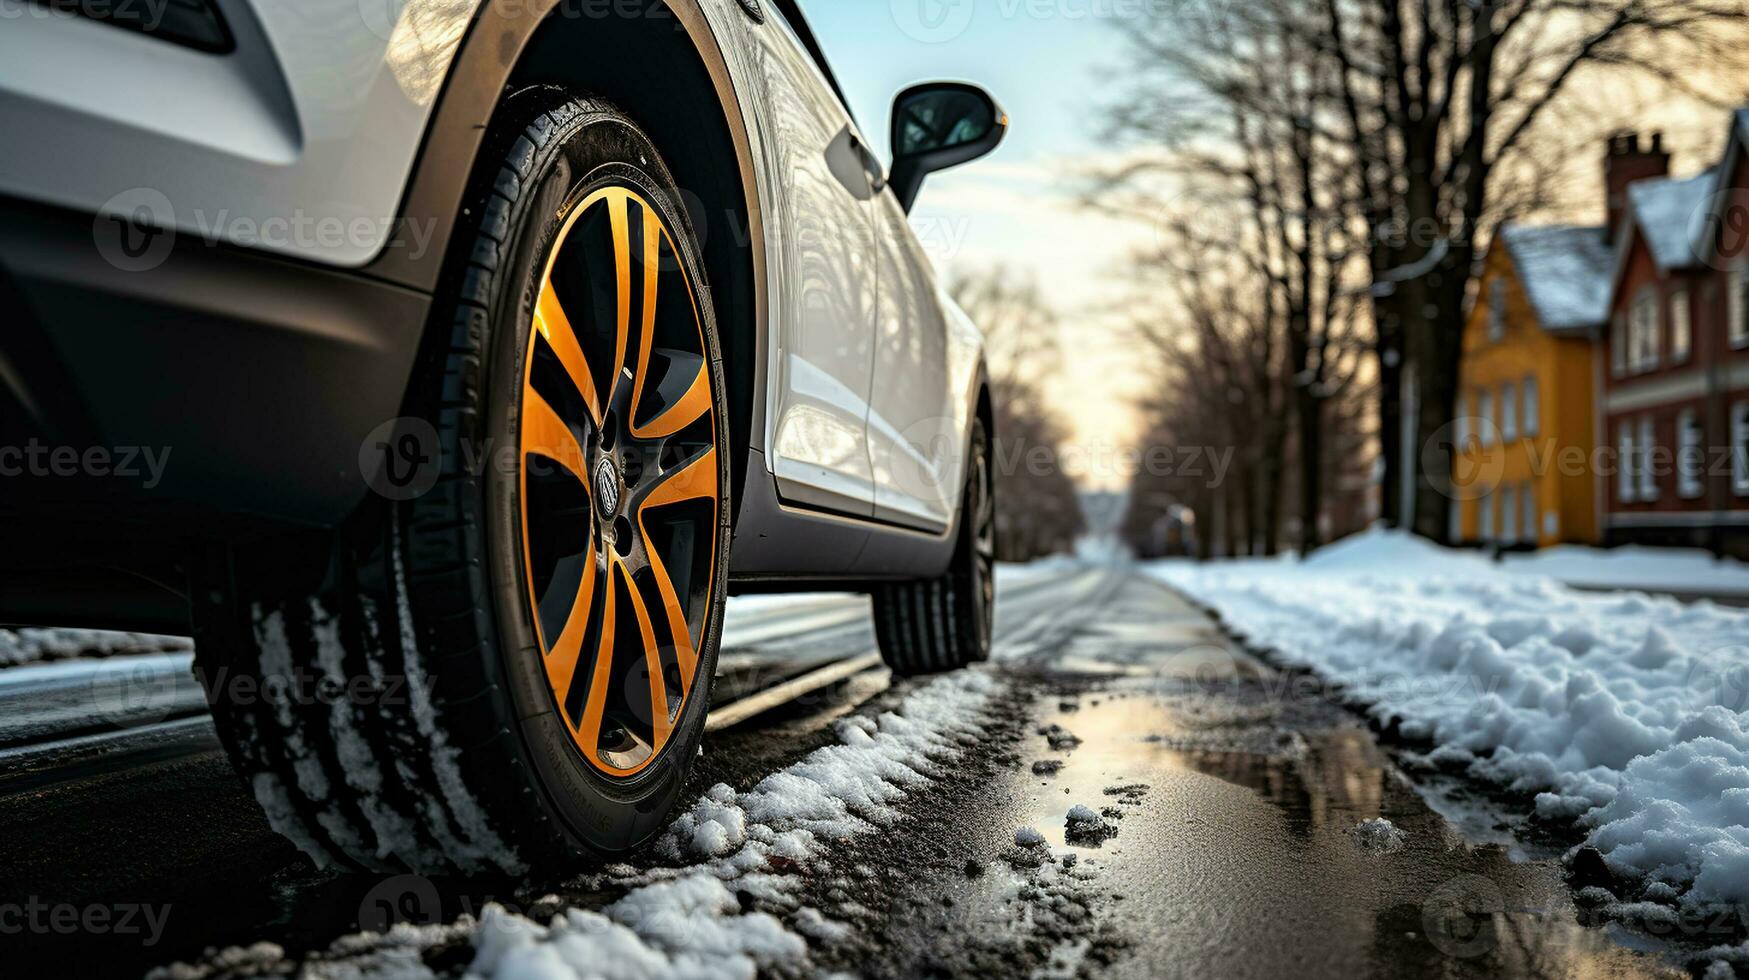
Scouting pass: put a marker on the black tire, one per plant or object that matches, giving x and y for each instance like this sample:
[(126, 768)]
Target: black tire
[(449, 751), (944, 623)]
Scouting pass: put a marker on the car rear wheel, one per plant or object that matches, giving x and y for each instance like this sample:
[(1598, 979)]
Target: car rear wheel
[(944, 623), (516, 642)]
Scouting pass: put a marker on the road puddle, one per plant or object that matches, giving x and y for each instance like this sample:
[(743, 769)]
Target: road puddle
[(1235, 849)]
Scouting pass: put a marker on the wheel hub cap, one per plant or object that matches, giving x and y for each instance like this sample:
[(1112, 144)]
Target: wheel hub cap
[(607, 488)]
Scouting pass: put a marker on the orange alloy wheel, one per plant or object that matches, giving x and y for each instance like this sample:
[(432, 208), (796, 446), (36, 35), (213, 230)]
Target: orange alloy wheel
[(619, 479)]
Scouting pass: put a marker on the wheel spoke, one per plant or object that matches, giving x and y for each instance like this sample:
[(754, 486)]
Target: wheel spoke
[(566, 653), (622, 265), (659, 722), (692, 405), (652, 266), (545, 434), (554, 323), (688, 409), (697, 480), (589, 729), (675, 610)]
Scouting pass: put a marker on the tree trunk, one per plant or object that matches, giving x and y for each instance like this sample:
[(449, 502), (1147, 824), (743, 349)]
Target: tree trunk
[(1310, 410), (1388, 350), (1436, 377), (1272, 470)]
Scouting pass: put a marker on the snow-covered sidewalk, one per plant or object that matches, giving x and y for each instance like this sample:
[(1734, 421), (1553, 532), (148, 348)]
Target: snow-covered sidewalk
[(1622, 711)]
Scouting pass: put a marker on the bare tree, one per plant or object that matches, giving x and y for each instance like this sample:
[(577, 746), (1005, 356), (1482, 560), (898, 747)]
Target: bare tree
[(1037, 510), (1401, 130), (1274, 197), (1441, 103)]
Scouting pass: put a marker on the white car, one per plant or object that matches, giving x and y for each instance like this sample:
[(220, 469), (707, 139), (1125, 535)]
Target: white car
[(443, 366)]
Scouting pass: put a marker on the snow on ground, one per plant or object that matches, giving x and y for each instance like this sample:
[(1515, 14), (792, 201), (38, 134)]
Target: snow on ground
[(1687, 571), (687, 919), (29, 645), (1623, 712), (35, 645), (1683, 570), (745, 607)]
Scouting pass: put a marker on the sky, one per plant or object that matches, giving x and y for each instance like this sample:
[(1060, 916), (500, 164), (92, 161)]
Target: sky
[(1046, 62)]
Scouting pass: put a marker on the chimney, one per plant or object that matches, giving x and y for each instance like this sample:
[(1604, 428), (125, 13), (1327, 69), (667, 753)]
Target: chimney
[(1626, 162)]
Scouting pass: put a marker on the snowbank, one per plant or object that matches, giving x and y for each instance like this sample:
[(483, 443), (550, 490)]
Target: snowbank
[(1681, 570), (26, 646), (1686, 571), (1624, 711)]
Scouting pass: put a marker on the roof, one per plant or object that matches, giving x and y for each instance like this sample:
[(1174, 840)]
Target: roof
[(1666, 212), (1735, 138), (1566, 272)]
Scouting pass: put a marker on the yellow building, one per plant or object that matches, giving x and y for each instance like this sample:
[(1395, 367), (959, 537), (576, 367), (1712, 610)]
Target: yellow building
[(1526, 416)]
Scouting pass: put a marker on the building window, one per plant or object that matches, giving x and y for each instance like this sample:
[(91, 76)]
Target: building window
[(1618, 346), (1643, 331), (1496, 311), (1463, 422), (1485, 424), (1647, 467), (1739, 302), (1740, 448), (1681, 327), (1508, 412), (1509, 515), (1527, 500), (1625, 482), (1690, 455), (1485, 525), (1532, 407)]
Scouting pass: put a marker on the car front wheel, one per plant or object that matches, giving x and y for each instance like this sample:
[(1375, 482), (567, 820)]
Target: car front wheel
[(517, 657)]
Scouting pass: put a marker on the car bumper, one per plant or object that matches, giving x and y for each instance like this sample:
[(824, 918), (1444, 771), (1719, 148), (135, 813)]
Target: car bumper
[(164, 385)]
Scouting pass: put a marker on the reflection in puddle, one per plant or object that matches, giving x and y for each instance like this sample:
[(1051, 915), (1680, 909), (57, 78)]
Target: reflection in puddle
[(1242, 846)]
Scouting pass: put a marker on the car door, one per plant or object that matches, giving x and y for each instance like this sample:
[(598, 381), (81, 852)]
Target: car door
[(915, 422), (824, 298)]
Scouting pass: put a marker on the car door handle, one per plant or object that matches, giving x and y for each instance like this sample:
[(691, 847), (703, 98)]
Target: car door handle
[(871, 164), (849, 162)]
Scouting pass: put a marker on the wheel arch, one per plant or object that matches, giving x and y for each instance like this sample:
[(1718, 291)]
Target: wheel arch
[(657, 60), (985, 408)]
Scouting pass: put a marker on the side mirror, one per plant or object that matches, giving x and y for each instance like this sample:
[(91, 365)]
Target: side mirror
[(938, 125)]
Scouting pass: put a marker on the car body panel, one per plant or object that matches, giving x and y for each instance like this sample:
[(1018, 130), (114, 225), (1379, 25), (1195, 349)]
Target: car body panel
[(299, 143), (319, 117), (917, 417), (823, 282)]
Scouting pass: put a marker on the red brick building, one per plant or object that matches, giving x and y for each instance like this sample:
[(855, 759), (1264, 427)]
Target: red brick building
[(1674, 362)]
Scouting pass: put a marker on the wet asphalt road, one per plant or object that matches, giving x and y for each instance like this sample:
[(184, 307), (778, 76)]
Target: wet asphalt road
[(1226, 797)]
